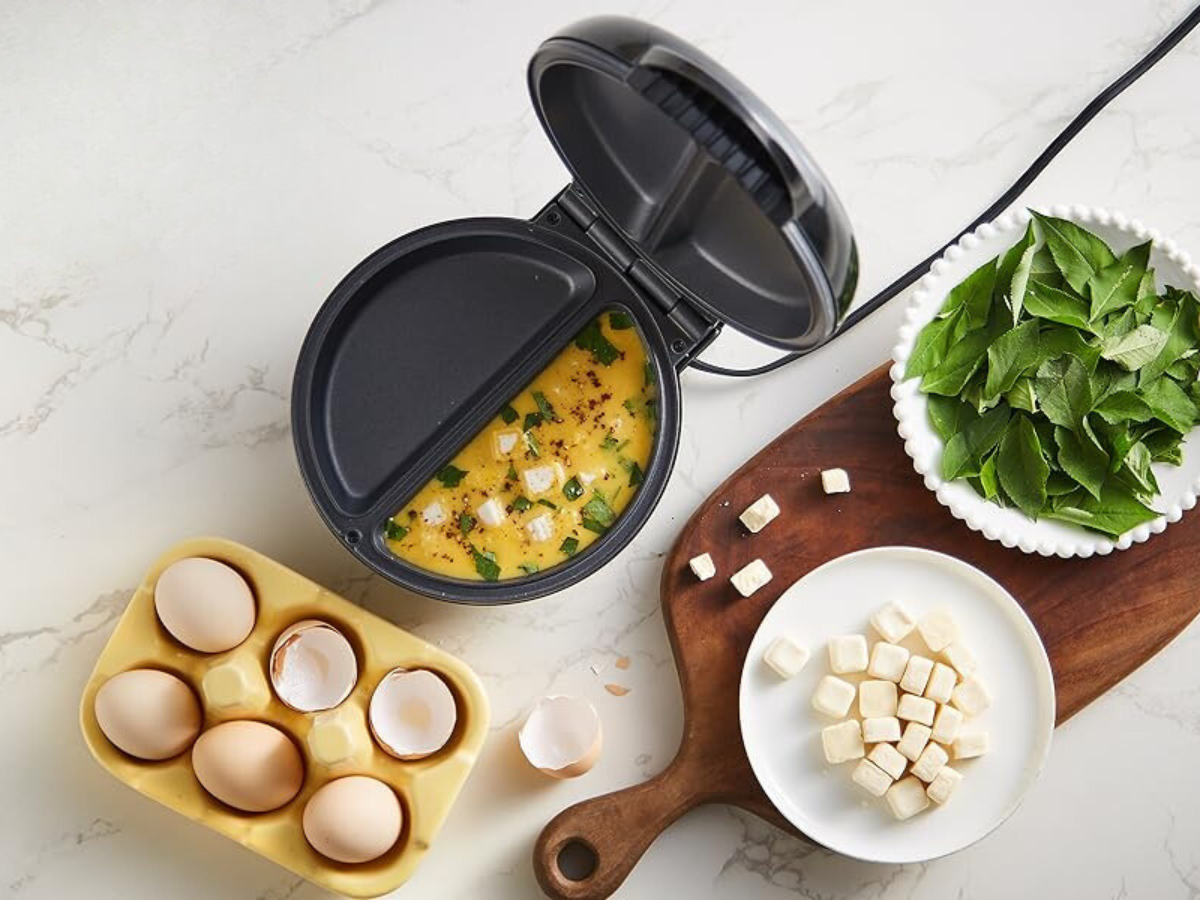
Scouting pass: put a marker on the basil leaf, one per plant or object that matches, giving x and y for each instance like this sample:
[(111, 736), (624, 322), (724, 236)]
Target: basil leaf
[(1116, 285), (597, 515), (949, 415), (511, 474), (1021, 468), (1165, 446), (956, 457), (542, 501), (1137, 474), (1134, 350), (1059, 484), (962, 361), (930, 348), (486, 565), (450, 476), (1018, 258), (394, 531), (573, 490), (1183, 335), (534, 447), (988, 479), (636, 476), (522, 503), (1124, 406), (569, 546), (619, 321), (1078, 253), (532, 420), (1082, 457), (1116, 512), (973, 297), (466, 523), (1146, 292), (544, 407), (529, 568), (1009, 356), (609, 442), (1171, 404), (508, 414), (592, 340), (1022, 395), (1063, 391), (1058, 340), (1054, 305)]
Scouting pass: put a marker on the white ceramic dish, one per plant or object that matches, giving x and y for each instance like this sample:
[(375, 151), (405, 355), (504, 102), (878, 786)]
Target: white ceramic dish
[(1180, 484), (782, 733)]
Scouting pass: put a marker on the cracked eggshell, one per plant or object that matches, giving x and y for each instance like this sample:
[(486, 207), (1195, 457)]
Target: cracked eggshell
[(412, 713), (313, 666), (562, 736)]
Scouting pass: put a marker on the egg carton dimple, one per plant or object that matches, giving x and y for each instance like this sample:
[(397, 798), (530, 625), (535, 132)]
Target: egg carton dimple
[(334, 743)]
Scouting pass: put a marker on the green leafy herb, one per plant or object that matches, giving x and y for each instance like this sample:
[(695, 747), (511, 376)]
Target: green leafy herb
[(450, 476), (1078, 253), (1064, 390), (573, 490), (466, 523), (592, 340), (394, 531), (544, 407), (1116, 512), (529, 568), (962, 361), (486, 565), (508, 414), (570, 546), (534, 447), (597, 515), (1022, 469), (511, 475), (532, 420), (619, 321), (544, 502), (1009, 356), (635, 476), (1116, 286), (1136, 349), (522, 503), (609, 442)]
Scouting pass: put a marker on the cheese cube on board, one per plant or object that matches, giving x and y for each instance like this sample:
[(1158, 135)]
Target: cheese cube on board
[(914, 740), (702, 566), (881, 729), (871, 778), (916, 709), (930, 762), (906, 798), (893, 622), (759, 514), (941, 683), (938, 630), (970, 744), (888, 758), (835, 481), (876, 699), (842, 742), (888, 661), (916, 674), (833, 697), (959, 656), (972, 697), (751, 577), (946, 724), (943, 784), (848, 653), (785, 656)]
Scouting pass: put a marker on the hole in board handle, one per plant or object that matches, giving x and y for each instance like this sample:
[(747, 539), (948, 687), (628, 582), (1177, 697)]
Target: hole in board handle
[(576, 860)]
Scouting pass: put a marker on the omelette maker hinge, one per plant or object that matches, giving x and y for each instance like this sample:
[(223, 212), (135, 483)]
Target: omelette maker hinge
[(697, 330)]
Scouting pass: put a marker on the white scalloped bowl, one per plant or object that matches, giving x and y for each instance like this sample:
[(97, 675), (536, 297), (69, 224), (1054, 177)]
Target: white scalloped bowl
[(1179, 484)]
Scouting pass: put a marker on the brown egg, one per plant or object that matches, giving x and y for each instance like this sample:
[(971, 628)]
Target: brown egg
[(204, 604), (148, 714), (252, 766), (353, 819)]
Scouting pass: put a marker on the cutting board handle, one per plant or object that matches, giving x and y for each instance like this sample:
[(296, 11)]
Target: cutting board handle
[(611, 832)]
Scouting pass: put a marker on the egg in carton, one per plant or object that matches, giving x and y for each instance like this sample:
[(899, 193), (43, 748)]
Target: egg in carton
[(259, 750)]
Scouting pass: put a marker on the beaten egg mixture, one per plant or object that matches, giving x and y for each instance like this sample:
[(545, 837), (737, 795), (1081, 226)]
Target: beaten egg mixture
[(549, 474)]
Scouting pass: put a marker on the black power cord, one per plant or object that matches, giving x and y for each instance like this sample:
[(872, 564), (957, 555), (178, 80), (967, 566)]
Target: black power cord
[(1089, 112)]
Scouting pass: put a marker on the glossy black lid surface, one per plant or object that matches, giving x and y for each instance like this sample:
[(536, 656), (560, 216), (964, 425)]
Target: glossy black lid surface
[(702, 178)]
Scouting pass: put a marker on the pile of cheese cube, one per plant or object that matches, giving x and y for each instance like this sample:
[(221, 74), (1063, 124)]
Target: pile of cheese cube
[(912, 708)]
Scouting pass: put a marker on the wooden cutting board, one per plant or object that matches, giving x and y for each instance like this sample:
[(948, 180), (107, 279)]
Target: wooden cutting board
[(1099, 618)]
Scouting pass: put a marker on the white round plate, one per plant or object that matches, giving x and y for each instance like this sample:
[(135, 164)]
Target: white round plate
[(1180, 484), (782, 732)]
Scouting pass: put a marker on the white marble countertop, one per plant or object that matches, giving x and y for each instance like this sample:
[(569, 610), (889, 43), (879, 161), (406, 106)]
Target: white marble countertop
[(181, 184)]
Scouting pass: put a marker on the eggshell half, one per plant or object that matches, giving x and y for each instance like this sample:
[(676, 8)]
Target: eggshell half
[(204, 604), (562, 736), (148, 714), (412, 713), (252, 766), (353, 820), (313, 666)]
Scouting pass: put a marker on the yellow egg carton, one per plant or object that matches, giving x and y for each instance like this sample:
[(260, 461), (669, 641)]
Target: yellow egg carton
[(235, 685)]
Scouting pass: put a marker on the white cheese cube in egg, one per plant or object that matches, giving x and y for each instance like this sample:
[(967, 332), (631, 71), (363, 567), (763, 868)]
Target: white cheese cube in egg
[(539, 479), (751, 577), (586, 478), (971, 697), (943, 784), (888, 661), (889, 759), (959, 656), (916, 736), (504, 442), (906, 798), (541, 528), (930, 762), (893, 622), (785, 656), (916, 709), (433, 514), (938, 630), (871, 778), (916, 674), (759, 514), (970, 744), (946, 724), (835, 481), (848, 653), (833, 696), (941, 683), (881, 729), (876, 699), (491, 513), (702, 566), (842, 742)]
